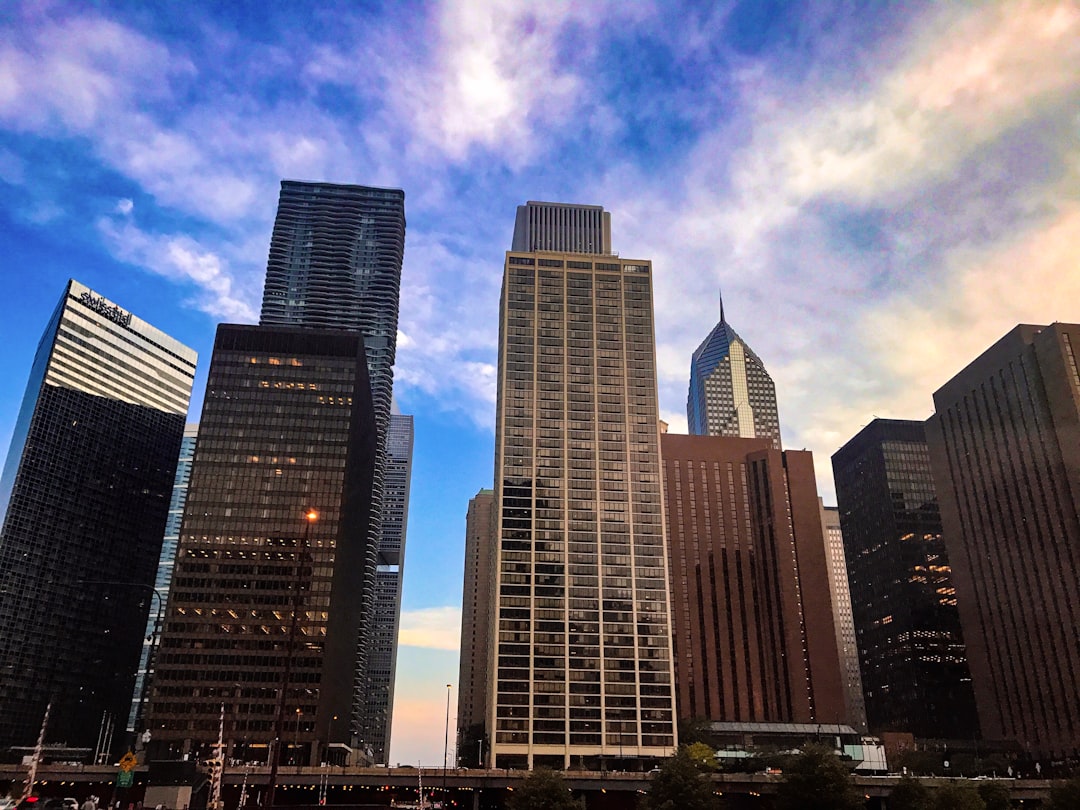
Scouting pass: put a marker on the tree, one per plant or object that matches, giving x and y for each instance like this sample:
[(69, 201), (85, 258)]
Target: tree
[(995, 795), (680, 785), (955, 796), (543, 790), (818, 780), (703, 756), (1065, 795), (910, 794)]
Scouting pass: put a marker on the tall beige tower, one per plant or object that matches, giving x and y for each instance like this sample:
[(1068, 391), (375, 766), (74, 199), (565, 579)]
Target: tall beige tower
[(580, 667)]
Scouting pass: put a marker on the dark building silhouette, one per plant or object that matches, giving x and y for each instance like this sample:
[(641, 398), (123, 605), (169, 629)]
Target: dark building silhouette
[(914, 666), (335, 263), (85, 494), (754, 639), (731, 393), (287, 426), (382, 669), (1005, 444), (475, 623)]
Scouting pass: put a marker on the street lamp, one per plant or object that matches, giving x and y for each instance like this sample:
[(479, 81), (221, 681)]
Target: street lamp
[(329, 731), (446, 742), (296, 739), (279, 720)]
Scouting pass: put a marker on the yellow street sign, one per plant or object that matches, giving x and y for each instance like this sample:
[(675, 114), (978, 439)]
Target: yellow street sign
[(128, 762)]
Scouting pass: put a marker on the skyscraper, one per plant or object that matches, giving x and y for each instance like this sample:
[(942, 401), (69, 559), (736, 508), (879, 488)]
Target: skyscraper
[(166, 561), (754, 635), (264, 608), (544, 226), (85, 494), (395, 518), (731, 393), (335, 262), (580, 666), (1005, 446), (475, 623), (911, 649), (846, 642)]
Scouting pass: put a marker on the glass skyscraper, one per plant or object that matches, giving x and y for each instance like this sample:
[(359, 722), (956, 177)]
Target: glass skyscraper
[(580, 665), (265, 607), (731, 393), (911, 649), (335, 263), (382, 666), (165, 570), (85, 493)]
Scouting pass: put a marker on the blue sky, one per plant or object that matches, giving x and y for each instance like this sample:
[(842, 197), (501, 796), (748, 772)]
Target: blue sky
[(881, 189)]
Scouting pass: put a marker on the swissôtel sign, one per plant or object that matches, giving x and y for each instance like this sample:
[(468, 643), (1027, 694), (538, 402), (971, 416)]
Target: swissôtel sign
[(103, 307)]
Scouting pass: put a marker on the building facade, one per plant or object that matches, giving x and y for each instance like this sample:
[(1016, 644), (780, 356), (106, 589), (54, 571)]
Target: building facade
[(580, 667), (476, 608), (85, 493), (166, 561), (731, 393), (264, 608), (395, 519), (911, 649), (543, 226), (335, 263), (754, 639), (846, 643), (1005, 445)]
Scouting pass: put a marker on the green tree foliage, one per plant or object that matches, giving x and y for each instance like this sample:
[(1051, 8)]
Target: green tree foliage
[(957, 796), (543, 790), (818, 780), (995, 795), (1066, 795), (703, 756), (680, 785), (910, 794)]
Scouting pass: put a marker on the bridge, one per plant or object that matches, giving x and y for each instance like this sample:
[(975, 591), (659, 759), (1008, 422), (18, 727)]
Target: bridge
[(354, 787)]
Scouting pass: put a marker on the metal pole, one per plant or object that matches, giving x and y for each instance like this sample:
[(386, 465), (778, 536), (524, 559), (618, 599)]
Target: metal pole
[(279, 720), (446, 742)]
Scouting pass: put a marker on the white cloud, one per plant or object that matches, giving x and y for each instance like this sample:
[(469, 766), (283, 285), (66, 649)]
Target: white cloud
[(437, 628), (183, 259), (125, 206)]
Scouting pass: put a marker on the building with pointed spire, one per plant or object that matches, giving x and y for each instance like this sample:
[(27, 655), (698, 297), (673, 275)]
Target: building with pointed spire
[(731, 393)]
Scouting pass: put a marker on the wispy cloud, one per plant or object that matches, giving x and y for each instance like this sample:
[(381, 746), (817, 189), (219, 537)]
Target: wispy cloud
[(436, 628)]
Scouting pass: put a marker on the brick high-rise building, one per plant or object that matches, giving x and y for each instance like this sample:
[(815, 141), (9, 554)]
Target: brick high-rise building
[(84, 496), (476, 611), (265, 606), (753, 620), (911, 649), (580, 665), (1005, 446)]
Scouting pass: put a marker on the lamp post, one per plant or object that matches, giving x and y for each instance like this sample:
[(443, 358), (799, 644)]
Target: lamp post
[(279, 720), (329, 731), (296, 739), (446, 742)]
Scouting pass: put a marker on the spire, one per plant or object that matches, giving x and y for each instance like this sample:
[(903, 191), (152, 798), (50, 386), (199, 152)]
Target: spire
[(721, 290)]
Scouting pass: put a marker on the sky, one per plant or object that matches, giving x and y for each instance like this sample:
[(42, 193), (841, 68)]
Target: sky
[(881, 190)]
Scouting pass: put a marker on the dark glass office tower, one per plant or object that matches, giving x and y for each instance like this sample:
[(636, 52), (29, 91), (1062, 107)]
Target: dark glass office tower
[(86, 489), (262, 599), (914, 666), (335, 262), (395, 519), (1005, 444), (731, 393)]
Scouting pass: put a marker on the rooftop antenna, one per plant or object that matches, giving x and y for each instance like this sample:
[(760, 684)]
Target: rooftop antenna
[(721, 291)]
